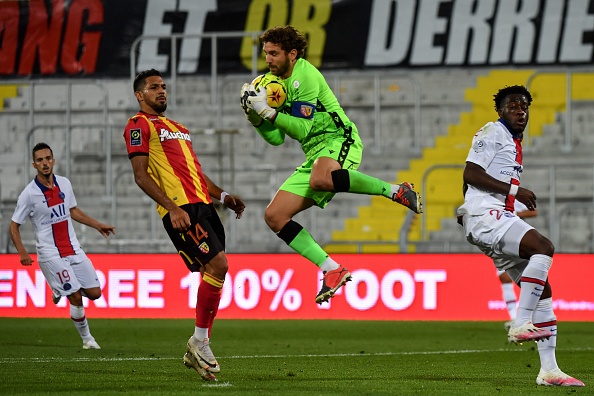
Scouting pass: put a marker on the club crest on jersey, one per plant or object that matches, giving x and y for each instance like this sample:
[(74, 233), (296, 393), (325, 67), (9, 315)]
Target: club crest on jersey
[(168, 135), (306, 110), (204, 248)]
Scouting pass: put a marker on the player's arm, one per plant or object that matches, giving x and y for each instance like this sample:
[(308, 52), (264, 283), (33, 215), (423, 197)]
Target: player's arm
[(295, 121), (233, 202), (527, 213), (271, 134), (179, 218), (83, 218), (296, 125), (476, 176), (15, 235)]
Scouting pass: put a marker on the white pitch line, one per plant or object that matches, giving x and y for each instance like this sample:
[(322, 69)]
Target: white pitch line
[(114, 359)]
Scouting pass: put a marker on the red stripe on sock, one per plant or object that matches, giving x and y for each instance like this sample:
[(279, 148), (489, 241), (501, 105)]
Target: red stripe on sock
[(532, 280), (546, 324)]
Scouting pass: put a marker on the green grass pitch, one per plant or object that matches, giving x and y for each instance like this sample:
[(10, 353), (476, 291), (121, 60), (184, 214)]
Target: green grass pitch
[(144, 357)]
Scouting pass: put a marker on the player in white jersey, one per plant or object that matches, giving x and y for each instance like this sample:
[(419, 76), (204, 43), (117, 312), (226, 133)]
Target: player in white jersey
[(491, 186), (50, 204), (507, 284)]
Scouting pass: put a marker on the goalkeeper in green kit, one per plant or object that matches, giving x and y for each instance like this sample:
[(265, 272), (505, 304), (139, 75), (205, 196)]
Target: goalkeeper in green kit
[(330, 141)]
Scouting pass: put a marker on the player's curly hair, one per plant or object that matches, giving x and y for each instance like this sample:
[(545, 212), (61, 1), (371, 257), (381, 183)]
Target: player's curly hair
[(286, 37), (140, 80), (514, 89)]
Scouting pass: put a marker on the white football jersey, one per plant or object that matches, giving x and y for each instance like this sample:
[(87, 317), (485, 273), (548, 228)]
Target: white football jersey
[(496, 150), (49, 210), (520, 207)]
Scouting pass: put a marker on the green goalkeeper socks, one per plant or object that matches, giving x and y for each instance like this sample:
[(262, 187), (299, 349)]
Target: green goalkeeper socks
[(347, 180), (305, 245), (302, 242)]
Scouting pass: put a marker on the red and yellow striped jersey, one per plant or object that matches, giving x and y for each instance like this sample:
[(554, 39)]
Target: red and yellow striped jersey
[(173, 164)]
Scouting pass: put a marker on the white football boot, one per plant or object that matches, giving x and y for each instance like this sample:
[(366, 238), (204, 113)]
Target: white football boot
[(527, 332), (556, 377)]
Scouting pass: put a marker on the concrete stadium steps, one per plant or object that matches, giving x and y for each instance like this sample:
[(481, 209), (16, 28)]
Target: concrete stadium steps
[(577, 222), (447, 125), (371, 224), (443, 192), (548, 92), (379, 221), (573, 182), (481, 97), (85, 95), (365, 247)]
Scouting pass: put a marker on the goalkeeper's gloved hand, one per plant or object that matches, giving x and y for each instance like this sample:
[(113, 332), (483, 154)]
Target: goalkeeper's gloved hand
[(254, 118), (250, 113), (258, 100), (243, 97)]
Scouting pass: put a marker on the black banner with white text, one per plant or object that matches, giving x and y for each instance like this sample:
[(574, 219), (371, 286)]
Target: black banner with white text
[(95, 38)]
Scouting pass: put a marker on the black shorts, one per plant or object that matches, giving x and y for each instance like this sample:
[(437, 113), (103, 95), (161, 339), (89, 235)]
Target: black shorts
[(205, 238)]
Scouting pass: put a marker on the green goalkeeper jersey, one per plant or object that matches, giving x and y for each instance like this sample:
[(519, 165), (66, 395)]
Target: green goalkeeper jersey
[(311, 114)]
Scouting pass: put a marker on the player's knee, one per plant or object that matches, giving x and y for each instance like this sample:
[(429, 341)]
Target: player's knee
[(76, 299), (223, 263), (536, 244), (93, 294), (327, 181), (272, 219), (547, 292), (321, 184), (547, 247), (218, 266)]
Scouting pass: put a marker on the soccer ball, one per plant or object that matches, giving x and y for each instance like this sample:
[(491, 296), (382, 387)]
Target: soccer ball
[(275, 89)]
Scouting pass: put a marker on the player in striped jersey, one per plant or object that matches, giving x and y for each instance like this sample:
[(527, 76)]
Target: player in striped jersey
[(491, 187), (167, 169), (50, 204)]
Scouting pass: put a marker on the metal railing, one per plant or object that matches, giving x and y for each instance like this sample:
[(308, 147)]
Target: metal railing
[(214, 37), (567, 145), (377, 78), (551, 201), (69, 109), (67, 130), (216, 100), (424, 183)]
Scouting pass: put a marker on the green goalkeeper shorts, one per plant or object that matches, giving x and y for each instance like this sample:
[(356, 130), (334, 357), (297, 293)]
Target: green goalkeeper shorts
[(347, 153)]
